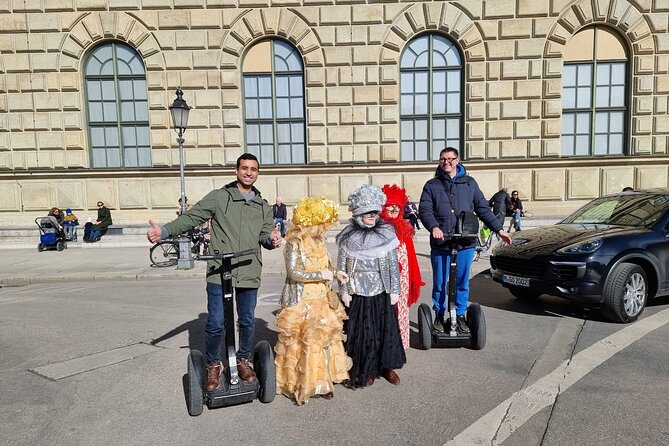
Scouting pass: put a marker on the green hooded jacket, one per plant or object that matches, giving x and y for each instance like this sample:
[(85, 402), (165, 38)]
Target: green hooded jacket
[(236, 225)]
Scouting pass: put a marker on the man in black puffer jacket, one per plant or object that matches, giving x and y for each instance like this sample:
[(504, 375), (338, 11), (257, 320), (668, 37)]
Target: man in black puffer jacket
[(439, 217), (500, 203)]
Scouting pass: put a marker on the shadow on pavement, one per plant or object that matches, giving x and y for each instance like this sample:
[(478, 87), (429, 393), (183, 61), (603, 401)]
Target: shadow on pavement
[(658, 301), (264, 333), (195, 329), (489, 293)]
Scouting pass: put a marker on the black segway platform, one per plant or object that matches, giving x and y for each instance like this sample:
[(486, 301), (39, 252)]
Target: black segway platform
[(232, 389), (451, 336)]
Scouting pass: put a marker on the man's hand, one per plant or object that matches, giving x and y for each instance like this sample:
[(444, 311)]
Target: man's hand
[(437, 234), (346, 300), (154, 233), (276, 237), (394, 298), (506, 238)]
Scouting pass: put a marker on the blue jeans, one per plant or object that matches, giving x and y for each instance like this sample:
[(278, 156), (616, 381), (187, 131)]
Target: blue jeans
[(246, 305), (441, 263)]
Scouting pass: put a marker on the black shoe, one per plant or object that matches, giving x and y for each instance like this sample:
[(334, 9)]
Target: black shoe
[(462, 325), (438, 324)]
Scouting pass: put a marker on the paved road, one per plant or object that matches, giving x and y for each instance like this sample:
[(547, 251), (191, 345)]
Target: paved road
[(115, 351)]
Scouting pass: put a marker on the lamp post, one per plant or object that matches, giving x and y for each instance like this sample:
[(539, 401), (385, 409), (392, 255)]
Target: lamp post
[(179, 110)]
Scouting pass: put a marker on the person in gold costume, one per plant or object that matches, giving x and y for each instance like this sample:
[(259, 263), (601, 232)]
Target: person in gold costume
[(310, 355)]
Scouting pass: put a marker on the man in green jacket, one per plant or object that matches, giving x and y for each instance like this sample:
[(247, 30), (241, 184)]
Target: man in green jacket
[(240, 219)]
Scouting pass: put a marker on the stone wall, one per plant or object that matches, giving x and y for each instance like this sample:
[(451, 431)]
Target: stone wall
[(350, 51)]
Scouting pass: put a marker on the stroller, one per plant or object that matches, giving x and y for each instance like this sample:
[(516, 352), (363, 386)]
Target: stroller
[(51, 234)]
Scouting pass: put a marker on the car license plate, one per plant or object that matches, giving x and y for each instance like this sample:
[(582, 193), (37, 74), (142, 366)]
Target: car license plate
[(515, 280)]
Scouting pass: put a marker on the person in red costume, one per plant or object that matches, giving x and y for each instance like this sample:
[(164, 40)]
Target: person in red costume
[(410, 279)]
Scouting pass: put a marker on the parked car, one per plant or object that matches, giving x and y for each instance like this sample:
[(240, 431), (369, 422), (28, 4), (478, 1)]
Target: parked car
[(612, 253)]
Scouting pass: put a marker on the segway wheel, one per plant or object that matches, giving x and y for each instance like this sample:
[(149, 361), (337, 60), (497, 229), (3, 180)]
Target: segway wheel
[(425, 326), (40, 247), (263, 364), (476, 322), (195, 397), (60, 246)]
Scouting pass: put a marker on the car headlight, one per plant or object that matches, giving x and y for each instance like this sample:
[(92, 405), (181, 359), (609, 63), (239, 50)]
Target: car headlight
[(585, 247)]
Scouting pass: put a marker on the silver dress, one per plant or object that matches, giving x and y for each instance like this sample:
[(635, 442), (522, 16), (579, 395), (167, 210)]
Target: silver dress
[(369, 277), (296, 276)]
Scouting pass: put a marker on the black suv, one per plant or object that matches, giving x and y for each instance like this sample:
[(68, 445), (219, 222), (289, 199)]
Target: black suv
[(612, 253)]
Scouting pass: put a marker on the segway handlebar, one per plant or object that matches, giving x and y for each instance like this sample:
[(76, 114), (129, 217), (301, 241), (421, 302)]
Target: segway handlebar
[(227, 255)]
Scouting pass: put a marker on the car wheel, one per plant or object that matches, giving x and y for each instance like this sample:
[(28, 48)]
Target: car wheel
[(625, 293), (524, 293)]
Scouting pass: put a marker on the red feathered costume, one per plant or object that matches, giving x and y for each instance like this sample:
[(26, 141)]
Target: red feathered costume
[(406, 253)]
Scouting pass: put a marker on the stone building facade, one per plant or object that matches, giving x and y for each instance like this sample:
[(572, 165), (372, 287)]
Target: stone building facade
[(510, 104)]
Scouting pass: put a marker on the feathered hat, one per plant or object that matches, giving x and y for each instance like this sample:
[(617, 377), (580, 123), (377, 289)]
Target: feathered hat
[(312, 211), (395, 195)]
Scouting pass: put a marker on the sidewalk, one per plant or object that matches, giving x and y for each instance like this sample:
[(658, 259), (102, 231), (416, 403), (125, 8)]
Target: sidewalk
[(126, 258)]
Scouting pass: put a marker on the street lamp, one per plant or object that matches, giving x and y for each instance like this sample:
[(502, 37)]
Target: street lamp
[(179, 110)]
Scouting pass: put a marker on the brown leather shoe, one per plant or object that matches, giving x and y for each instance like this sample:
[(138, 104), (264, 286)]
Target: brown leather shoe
[(245, 371), (327, 396), (214, 369), (370, 381), (392, 377)]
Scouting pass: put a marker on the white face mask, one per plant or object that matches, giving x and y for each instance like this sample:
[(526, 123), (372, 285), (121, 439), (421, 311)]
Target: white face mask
[(361, 222)]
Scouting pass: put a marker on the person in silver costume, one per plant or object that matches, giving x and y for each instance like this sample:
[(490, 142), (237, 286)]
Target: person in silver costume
[(369, 287)]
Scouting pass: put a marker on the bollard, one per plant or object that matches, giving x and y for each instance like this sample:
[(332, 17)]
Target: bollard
[(186, 260)]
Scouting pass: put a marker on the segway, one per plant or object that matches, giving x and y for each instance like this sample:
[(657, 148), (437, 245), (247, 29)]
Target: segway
[(232, 389), (451, 336)]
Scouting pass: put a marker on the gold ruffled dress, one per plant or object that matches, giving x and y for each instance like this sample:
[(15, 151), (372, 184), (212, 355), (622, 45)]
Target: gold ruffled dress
[(310, 355)]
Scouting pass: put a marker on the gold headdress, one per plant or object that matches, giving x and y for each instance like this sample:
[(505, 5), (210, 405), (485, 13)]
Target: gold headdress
[(312, 211)]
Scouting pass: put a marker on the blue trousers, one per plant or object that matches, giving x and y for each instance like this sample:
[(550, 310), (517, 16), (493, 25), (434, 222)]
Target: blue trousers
[(441, 263), (246, 304)]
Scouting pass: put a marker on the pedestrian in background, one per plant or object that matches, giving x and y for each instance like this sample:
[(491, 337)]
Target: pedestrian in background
[(500, 203), (411, 212), (57, 214), (516, 210), (280, 215), (70, 223), (104, 220)]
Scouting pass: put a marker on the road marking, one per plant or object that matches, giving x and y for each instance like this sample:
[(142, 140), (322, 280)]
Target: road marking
[(87, 363), (498, 424)]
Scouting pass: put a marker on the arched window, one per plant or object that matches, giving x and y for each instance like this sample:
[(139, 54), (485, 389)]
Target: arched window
[(274, 103), (118, 110), (594, 95), (431, 98)]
